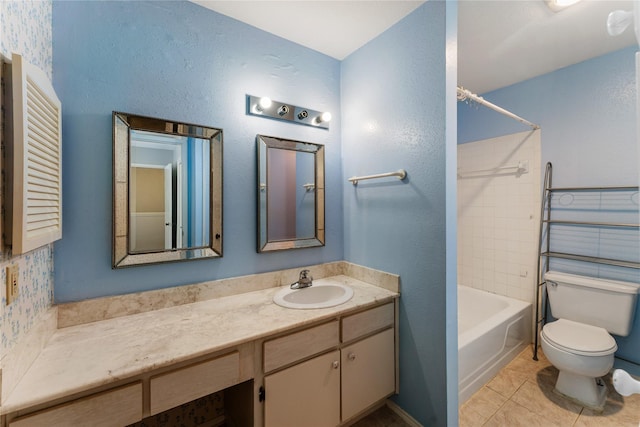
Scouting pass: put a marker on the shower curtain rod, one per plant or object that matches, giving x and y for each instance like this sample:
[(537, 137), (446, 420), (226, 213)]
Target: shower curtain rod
[(464, 94)]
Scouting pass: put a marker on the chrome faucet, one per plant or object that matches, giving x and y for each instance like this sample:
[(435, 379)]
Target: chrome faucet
[(304, 281)]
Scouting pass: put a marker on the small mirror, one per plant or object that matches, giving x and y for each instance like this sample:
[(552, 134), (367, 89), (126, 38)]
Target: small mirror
[(167, 185), (290, 194)]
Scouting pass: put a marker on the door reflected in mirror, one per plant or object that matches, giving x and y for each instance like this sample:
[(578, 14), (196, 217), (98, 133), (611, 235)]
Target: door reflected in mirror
[(290, 194), (167, 191)]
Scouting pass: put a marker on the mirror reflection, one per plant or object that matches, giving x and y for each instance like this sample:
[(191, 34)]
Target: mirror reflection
[(290, 194), (167, 191)]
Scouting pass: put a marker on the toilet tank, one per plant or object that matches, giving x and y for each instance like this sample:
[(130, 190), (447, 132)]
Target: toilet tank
[(609, 304)]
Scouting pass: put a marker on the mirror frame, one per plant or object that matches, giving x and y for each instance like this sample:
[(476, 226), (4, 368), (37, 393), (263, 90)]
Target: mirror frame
[(123, 124), (264, 244)]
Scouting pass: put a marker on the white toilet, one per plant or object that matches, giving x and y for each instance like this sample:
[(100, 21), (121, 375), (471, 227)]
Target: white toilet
[(579, 343)]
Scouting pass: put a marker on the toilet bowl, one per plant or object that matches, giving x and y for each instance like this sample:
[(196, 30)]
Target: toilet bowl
[(579, 343), (582, 354)]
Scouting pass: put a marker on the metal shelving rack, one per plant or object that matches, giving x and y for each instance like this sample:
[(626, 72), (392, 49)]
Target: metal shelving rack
[(544, 248)]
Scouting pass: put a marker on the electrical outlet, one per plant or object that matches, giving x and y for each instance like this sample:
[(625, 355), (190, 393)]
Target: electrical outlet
[(13, 273)]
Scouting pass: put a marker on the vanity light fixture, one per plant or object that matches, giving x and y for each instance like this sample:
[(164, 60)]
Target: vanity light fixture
[(265, 107), (283, 110)]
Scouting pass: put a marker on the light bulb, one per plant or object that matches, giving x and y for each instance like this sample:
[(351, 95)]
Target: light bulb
[(323, 118), (263, 103), (558, 5)]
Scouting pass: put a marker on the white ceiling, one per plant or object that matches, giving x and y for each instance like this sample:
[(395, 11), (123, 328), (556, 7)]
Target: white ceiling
[(504, 42), (334, 27), (500, 42)]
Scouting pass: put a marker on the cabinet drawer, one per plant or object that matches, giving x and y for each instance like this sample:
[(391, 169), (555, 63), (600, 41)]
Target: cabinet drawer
[(184, 385), (119, 407), (290, 348), (366, 322)]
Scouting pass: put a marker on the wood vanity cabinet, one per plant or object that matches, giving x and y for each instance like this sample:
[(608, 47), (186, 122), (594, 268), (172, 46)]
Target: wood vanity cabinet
[(174, 388), (307, 394), (324, 374), (152, 393), (368, 372), (368, 361), (346, 379), (117, 407)]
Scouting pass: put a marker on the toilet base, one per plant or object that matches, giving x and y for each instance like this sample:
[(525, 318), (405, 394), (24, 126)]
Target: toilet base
[(586, 391)]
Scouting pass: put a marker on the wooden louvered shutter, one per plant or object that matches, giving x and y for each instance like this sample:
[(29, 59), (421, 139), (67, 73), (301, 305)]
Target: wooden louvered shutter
[(37, 158)]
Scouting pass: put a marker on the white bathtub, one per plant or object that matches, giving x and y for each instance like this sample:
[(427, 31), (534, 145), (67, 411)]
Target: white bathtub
[(492, 330)]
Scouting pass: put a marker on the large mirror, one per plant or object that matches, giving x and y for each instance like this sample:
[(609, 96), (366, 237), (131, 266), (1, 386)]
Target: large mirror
[(167, 191), (290, 194)]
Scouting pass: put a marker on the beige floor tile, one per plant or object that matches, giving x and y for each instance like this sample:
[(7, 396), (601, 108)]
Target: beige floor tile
[(507, 382), (514, 415), (607, 419), (529, 385), (520, 369), (541, 399), (618, 411), (467, 418), (525, 364), (383, 417), (480, 407)]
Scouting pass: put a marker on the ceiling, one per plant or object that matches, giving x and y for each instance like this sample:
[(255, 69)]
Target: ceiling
[(500, 42), (333, 27), (504, 42)]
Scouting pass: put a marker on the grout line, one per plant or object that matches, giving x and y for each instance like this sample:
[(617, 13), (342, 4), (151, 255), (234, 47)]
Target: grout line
[(578, 417), (496, 411)]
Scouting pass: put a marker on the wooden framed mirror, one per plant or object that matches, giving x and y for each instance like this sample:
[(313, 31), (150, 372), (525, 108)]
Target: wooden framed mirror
[(290, 194), (167, 191)]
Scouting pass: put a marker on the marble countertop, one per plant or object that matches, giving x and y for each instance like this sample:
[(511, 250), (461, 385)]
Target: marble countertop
[(83, 357)]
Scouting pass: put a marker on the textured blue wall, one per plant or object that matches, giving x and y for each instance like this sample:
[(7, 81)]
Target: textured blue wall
[(587, 115), (451, 186), (177, 60), (393, 92)]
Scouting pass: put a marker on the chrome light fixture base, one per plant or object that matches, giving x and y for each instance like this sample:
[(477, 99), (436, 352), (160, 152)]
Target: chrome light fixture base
[(265, 107)]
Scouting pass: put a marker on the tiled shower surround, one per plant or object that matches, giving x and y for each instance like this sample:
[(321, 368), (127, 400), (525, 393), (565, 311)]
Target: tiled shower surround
[(499, 214)]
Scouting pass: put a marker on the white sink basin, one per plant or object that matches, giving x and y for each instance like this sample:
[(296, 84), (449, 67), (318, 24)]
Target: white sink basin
[(319, 295)]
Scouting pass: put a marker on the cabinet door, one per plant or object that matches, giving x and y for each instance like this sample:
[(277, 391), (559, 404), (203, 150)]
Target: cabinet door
[(307, 394), (368, 372)]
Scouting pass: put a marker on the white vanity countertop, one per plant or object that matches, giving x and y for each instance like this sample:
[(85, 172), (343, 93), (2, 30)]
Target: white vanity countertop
[(80, 358)]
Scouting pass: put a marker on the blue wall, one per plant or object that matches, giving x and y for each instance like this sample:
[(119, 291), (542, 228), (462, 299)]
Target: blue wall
[(393, 92), (179, 61), (587, 113)]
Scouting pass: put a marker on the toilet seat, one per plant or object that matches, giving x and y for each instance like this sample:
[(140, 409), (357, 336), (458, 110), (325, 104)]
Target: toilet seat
[(579, 338)]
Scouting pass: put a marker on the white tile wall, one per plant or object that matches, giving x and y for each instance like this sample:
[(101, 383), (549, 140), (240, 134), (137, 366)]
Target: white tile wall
[(499, 215)]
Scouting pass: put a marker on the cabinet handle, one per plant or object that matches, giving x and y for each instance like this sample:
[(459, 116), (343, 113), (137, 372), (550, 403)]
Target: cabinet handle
[(351, 356), (335, 364)]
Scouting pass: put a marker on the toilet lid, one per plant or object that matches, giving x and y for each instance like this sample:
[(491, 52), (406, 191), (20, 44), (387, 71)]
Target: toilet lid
[(579, 338)]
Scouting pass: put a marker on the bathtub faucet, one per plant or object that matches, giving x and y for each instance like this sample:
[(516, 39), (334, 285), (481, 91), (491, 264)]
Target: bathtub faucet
[(304, 281)]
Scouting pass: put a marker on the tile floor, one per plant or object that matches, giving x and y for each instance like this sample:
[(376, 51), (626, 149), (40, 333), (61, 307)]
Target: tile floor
[(521, 394), (383, 417)]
